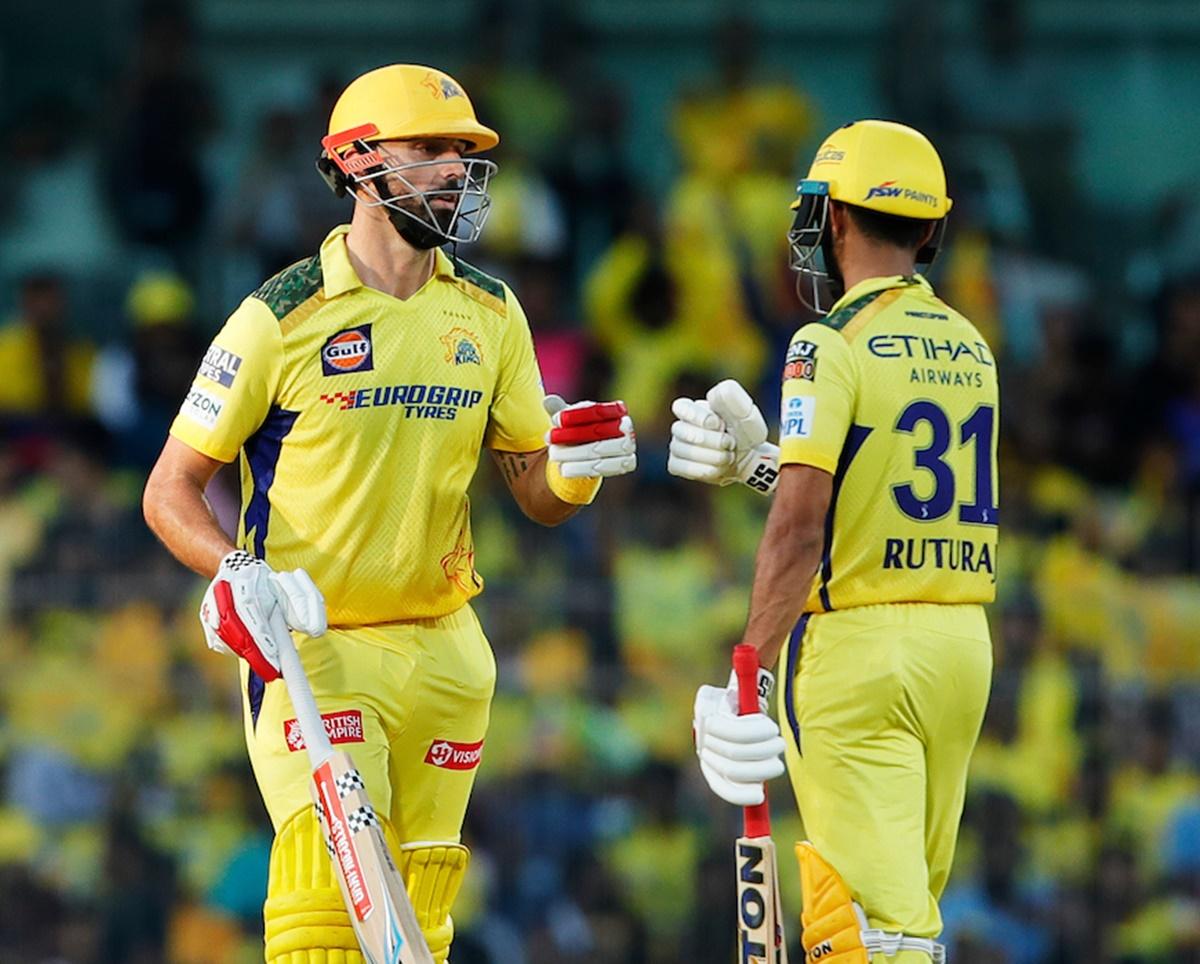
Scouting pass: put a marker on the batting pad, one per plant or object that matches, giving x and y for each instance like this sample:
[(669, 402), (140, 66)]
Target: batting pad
[(306, 920), (832, 927), (835, 927), (433, 873)]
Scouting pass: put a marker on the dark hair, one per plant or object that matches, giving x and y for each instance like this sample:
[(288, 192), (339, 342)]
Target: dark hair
[(905, 233)]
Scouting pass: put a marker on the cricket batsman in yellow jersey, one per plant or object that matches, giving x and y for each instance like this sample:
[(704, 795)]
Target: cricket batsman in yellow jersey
[(357, 388), (879, 551)]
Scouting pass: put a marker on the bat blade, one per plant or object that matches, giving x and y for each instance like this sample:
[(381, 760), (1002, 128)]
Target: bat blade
[(760, 923), (373, 890), (380, 911)]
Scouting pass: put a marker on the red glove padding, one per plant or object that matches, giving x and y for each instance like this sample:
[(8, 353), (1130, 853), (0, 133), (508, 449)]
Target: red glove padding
[(590, 423), (236, 636)]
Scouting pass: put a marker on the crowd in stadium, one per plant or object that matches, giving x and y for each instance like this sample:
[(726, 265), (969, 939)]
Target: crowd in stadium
[(130, 829)]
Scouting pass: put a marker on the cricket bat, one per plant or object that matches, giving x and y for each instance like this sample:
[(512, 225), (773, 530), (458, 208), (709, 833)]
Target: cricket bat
[(760, 921), (380, 911)]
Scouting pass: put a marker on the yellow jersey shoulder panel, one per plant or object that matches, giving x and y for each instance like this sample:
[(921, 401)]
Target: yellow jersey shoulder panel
[(480, 286), (291, 287)]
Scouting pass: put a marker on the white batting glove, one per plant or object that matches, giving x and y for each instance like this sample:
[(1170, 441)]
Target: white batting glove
[(241, 602), (591, 440), (737, 753), (723, 439)]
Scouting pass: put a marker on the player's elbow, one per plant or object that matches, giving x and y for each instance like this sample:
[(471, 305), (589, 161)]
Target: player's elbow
[(152, 501), (550, 513)]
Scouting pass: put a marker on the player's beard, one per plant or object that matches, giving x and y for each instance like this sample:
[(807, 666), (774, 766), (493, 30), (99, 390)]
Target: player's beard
[(410, 223), (834, 281)]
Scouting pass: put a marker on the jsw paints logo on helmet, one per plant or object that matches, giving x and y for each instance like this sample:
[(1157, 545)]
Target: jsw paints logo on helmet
[(885, 189), (348, 351), (889, 189), (449, 755)]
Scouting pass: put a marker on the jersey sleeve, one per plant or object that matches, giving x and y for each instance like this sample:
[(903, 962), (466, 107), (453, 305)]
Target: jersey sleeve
[(235, 384), (517, 422), (820, 387)]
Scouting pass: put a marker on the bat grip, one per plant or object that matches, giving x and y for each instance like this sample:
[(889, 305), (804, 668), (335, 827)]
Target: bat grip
[(311, 725), (756, 820)]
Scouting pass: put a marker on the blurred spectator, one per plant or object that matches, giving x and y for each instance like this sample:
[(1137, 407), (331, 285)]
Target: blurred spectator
[(139, 384), (997, 908), (137, 896), (52, 209), (46, 366), (280, 210), (156, 185)]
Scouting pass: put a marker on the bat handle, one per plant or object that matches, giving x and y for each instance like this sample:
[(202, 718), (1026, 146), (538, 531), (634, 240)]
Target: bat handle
[(756, 820), (303, 702)]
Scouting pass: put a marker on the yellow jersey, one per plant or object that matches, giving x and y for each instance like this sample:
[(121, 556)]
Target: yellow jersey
[(895, 394), (23, 389), (359, 418)]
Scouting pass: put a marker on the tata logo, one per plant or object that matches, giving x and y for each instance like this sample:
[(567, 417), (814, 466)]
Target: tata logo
[(348, 351), (886, 189)]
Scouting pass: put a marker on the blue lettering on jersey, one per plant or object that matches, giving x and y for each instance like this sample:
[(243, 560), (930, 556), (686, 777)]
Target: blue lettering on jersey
[(930, 349), (944, 376), (418, 401), (959, 555)]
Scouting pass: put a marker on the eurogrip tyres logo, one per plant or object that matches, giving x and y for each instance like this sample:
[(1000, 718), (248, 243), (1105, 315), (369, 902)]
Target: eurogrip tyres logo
[(348, 351), (448, 755)]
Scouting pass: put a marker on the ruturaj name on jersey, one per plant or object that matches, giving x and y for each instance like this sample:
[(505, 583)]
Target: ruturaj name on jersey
[(958, 555), (419, 401)]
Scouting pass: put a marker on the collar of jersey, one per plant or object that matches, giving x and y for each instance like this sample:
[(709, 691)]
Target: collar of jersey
[(870, 285), (338, 275)]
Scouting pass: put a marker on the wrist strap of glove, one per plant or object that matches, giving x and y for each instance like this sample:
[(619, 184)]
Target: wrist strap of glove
[(571, 491), (759, 468)]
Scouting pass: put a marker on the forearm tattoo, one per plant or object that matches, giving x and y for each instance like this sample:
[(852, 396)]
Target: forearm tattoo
[(513, 465)]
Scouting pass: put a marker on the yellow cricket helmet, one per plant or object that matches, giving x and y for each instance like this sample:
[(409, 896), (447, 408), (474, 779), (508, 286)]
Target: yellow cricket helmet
[(409, 102), (882, 166), (404, 101), (877, 165)]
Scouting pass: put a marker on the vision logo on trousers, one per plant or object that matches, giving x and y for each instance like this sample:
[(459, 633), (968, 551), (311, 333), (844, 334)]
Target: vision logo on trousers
[(448, 755)]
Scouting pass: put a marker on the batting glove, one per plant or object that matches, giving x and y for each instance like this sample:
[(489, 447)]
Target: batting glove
[(737, 753), (243, 599), (591, 440), (722, 439)]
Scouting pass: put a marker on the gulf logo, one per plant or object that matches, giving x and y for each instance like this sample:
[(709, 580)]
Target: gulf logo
[(348, 351)]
